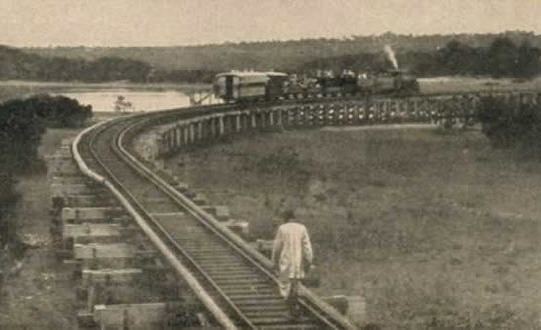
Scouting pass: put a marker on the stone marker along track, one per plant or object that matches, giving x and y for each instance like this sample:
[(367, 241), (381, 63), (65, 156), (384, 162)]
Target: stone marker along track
[(241, 290)]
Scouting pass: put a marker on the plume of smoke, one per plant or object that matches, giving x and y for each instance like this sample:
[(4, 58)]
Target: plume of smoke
[(390, 55)]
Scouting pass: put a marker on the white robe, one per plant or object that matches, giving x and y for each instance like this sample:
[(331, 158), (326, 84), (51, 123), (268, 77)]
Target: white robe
[(291, 249)]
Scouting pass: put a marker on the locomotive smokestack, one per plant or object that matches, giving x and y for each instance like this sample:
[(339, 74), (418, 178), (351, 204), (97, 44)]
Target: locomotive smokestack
[(390, 55)]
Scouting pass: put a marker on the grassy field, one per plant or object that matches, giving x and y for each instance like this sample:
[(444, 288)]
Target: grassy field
[(434, 229), (472, 84)]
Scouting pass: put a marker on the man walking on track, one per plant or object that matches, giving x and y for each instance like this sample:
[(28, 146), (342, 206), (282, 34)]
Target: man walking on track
[(291, 256)]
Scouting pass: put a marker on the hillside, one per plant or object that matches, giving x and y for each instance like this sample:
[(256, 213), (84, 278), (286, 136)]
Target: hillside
[(511, 54), (285, 55)]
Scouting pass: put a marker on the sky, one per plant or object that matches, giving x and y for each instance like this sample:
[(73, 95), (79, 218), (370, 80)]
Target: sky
[(192, 22)]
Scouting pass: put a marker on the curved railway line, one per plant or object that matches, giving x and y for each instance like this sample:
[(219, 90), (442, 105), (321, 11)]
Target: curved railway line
[(234, 282)]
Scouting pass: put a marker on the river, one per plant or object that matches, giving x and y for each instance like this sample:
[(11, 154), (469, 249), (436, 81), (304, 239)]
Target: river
[(132, 100)]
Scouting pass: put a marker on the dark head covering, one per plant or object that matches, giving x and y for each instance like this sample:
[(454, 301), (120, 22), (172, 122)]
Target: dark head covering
[(288, 215)]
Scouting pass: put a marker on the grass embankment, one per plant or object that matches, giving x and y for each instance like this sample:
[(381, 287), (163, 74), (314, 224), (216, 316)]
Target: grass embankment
[(433, 229), (38, 292), (473, 84)]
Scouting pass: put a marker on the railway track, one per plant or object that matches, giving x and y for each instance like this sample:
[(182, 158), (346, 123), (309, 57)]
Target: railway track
[(235, 283)]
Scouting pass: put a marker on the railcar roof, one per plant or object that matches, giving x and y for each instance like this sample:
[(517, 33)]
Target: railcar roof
[(241, 74), (276, 74), (250, 74)]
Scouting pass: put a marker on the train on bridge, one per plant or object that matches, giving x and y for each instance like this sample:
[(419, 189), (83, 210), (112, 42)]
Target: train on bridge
[(250, 86)]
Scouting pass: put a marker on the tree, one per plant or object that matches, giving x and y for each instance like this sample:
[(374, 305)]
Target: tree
[(502, 58), (528, 64), (459, 58)]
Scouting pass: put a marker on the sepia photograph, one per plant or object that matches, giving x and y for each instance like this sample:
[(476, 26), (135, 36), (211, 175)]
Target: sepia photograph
[(271, 164)]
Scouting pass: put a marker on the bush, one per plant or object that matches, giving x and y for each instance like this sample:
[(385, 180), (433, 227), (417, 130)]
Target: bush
[(510, 125), (8, 200), (22, 124)]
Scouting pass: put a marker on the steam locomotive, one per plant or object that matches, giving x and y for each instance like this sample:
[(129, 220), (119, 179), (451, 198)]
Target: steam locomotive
[(267, 86)]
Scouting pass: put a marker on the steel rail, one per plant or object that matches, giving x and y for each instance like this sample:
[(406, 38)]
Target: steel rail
[(220, 316), (244, 249), (125, 201), (139, 209), (239, 245), (323, 312), (118, 149)]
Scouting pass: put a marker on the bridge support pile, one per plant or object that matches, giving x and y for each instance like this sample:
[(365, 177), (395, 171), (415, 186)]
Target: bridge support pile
[(445, 110)]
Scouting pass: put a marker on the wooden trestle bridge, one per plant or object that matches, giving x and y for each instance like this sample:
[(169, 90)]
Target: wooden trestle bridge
[(233, 281)]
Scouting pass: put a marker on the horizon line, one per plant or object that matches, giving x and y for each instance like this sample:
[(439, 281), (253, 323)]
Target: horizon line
[(253, 41)]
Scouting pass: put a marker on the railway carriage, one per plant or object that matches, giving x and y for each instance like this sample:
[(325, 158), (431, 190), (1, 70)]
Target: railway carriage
[(249, 86), (267, 86)]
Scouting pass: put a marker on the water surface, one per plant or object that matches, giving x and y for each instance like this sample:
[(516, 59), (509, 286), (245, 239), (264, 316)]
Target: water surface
[(141, 100)]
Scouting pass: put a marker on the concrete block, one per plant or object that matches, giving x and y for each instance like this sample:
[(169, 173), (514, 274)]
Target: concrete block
[(200, 199), (88, 200), (168, 172), (66, 142), (109, 276), (98, 233), (220, 212), (189, 193), (79, 214), (63, 165), (85, 319), (159, 164), (55, 179), (354, 307), (59, 189), (181, 187), (264, 246), (241, 228), (60, 154), (103, 251), (133, 316)]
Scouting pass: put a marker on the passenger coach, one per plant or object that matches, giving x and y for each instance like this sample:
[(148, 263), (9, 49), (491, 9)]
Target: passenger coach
[(249, 86)]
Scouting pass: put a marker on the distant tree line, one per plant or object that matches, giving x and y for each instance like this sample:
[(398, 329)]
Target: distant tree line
[(505, 55), (280, 54), (22, 125), (502, 58), (16, 64)]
